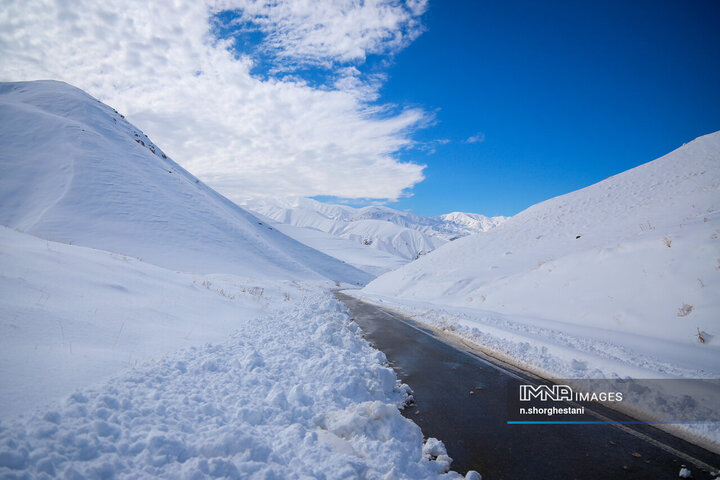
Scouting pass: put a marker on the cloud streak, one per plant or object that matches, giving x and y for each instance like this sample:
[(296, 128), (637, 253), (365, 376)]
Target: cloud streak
[(194, 94), (477, 138)]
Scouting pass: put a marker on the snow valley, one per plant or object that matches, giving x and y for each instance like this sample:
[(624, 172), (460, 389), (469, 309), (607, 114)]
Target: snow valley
[(150, 327), (375, 239)]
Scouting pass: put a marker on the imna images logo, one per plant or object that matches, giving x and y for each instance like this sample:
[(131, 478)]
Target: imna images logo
[(555, 393), (559, 393)]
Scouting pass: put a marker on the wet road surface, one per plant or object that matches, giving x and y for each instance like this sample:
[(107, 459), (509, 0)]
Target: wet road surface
[(474, 426)]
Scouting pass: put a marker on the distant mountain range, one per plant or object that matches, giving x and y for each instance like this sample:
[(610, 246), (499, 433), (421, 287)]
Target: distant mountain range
[(404, 236)]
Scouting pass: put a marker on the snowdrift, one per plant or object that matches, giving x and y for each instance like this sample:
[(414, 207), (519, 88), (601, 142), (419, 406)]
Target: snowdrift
[(631, 262), (74, 171)]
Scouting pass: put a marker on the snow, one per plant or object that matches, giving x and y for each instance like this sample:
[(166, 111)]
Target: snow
[(613, 280), (371, 260), (461, 223), (151, 328), (73, 170), (294, 391), (401, 236)]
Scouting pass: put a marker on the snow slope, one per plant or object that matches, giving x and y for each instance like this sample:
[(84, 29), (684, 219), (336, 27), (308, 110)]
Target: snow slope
[(123, 369), (615, 279), (403, 235), (73, 170)]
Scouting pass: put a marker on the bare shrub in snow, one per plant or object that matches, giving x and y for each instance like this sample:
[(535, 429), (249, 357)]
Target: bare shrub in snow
[(667, 241), (685, 310), (701, 338)]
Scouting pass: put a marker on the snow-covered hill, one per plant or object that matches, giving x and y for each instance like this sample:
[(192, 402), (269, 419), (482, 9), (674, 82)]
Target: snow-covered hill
[(404, 236), (622, 277), (73, 170)]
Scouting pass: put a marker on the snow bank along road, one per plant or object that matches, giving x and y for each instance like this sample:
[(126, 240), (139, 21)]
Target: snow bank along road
[(473, 426), (111, 367)]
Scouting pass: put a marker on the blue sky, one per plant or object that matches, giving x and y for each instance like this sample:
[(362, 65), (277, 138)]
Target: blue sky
[(375, 101), (565, 93)]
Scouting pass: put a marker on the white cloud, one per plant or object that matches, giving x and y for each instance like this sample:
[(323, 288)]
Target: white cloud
[(477, 138), (158, 63), (309, 31)]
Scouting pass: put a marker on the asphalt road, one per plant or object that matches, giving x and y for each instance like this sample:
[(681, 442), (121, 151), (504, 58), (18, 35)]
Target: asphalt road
[(474, 426)]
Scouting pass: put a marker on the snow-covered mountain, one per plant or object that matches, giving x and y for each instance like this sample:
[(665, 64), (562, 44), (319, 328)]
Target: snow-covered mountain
[(627, 268), (73, 170), (460, 223), (403, 235)]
